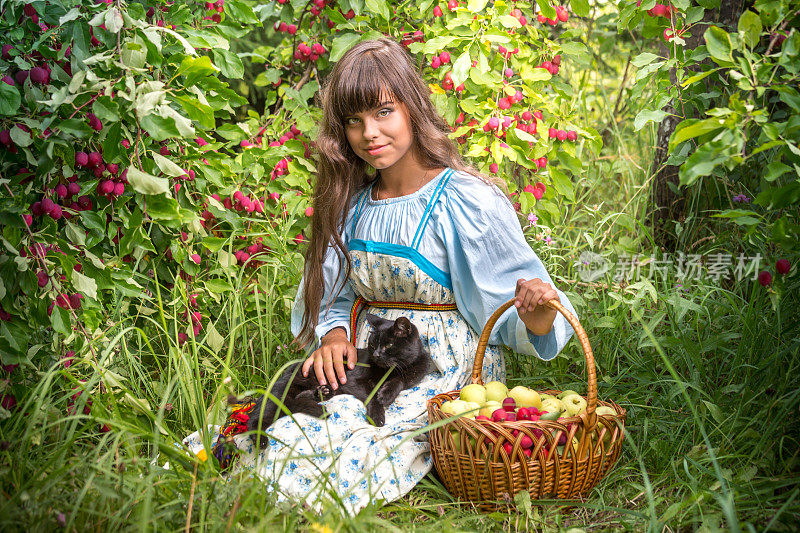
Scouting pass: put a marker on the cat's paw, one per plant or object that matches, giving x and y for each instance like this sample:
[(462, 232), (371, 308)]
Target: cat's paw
[(324, 392)]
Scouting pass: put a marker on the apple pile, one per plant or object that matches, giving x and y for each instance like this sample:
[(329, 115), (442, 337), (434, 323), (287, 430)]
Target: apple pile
[(495, 403)]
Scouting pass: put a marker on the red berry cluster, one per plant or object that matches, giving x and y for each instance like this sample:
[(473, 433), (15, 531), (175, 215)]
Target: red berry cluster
[(291, 29), (442, 59), (447, 82), (561, 15), (413, 37), (505, 52), (562, 135), (782, 267), (218, 7), (309, 53), (281, 168), (244, 254), (517, 14), (659, 10), (551, 66), (539, 189), (240, 202)]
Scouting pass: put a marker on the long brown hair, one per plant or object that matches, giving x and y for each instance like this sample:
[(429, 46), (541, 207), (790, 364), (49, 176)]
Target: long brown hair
[(365, 72)]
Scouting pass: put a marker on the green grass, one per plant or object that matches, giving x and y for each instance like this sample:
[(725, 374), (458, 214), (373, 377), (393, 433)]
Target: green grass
[(707, 371)]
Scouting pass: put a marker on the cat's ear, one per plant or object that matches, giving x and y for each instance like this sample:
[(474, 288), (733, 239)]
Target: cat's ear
[(375, 321), (402, 327)]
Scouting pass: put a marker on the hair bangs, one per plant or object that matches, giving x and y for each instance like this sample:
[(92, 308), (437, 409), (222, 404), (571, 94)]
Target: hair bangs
[(365, 86)]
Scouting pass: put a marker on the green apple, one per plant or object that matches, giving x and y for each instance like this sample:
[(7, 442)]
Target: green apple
[(575, 404), (604, 410), (553, 404), (525, 397), (496, 391), (473, 393), (563, 394), (456, 435), (545, 396), (447, 407), (459, 406), (489, 408), (471, 409)]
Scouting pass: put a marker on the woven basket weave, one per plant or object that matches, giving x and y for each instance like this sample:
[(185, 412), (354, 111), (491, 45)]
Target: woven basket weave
[(470, 458)]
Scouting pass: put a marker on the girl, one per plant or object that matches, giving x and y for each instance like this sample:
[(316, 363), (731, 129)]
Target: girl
[(424, 235)]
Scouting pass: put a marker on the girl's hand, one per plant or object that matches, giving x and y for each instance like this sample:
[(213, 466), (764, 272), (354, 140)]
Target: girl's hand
[(328, 359), (531, 295)]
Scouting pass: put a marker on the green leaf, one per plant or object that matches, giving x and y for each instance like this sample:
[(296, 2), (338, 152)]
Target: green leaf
[(167, 166), (580, 7), (698, 77), (342, 44), (163, 209), (789, 96), (133, 53), (106, 109), (547, 10), (718, 43), (691, 128), (75, 127), (750, 28), (461, 68), (113, 20), (214, 244), (145, 183), (242, 12), (203, 114), (644, 59), (379, 7), (229, 63), (562, 183), (702, 162), (195, 68), (60, 320), (476, 6), (9, 99), (84, 284), (646, 116), (20, 137), (775, 170), (218, 286), (160, 128)]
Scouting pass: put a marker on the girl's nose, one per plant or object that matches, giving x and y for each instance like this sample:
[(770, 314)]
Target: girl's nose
[(370, 128)]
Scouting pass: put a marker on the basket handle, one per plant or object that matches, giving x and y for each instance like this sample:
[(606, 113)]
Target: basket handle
[(589, 419)]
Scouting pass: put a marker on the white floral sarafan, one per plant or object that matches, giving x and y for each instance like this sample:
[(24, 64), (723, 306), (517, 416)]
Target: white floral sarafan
[(454, 244)]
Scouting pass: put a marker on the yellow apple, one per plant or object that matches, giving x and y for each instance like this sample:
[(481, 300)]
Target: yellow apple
[(496, 391), (490, 407), (525, 397), (458, 407), (563, 394), (545, 396), (575, 404), (473, 393), (553, 405), (471, 409)]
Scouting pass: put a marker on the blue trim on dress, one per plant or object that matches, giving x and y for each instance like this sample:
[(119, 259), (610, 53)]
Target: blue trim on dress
[(406, 252), (426, 215), (359, 206)]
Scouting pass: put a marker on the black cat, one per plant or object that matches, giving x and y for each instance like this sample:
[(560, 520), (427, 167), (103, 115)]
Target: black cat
[(393, 347)]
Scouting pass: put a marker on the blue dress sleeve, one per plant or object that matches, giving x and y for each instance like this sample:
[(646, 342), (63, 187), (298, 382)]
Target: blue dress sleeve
[(337, 301), (487, 253)]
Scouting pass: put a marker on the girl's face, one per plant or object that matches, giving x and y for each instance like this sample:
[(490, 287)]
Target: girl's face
[(381, 136)]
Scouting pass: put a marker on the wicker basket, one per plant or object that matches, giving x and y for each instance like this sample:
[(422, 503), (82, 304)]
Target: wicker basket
[(470, 458)]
